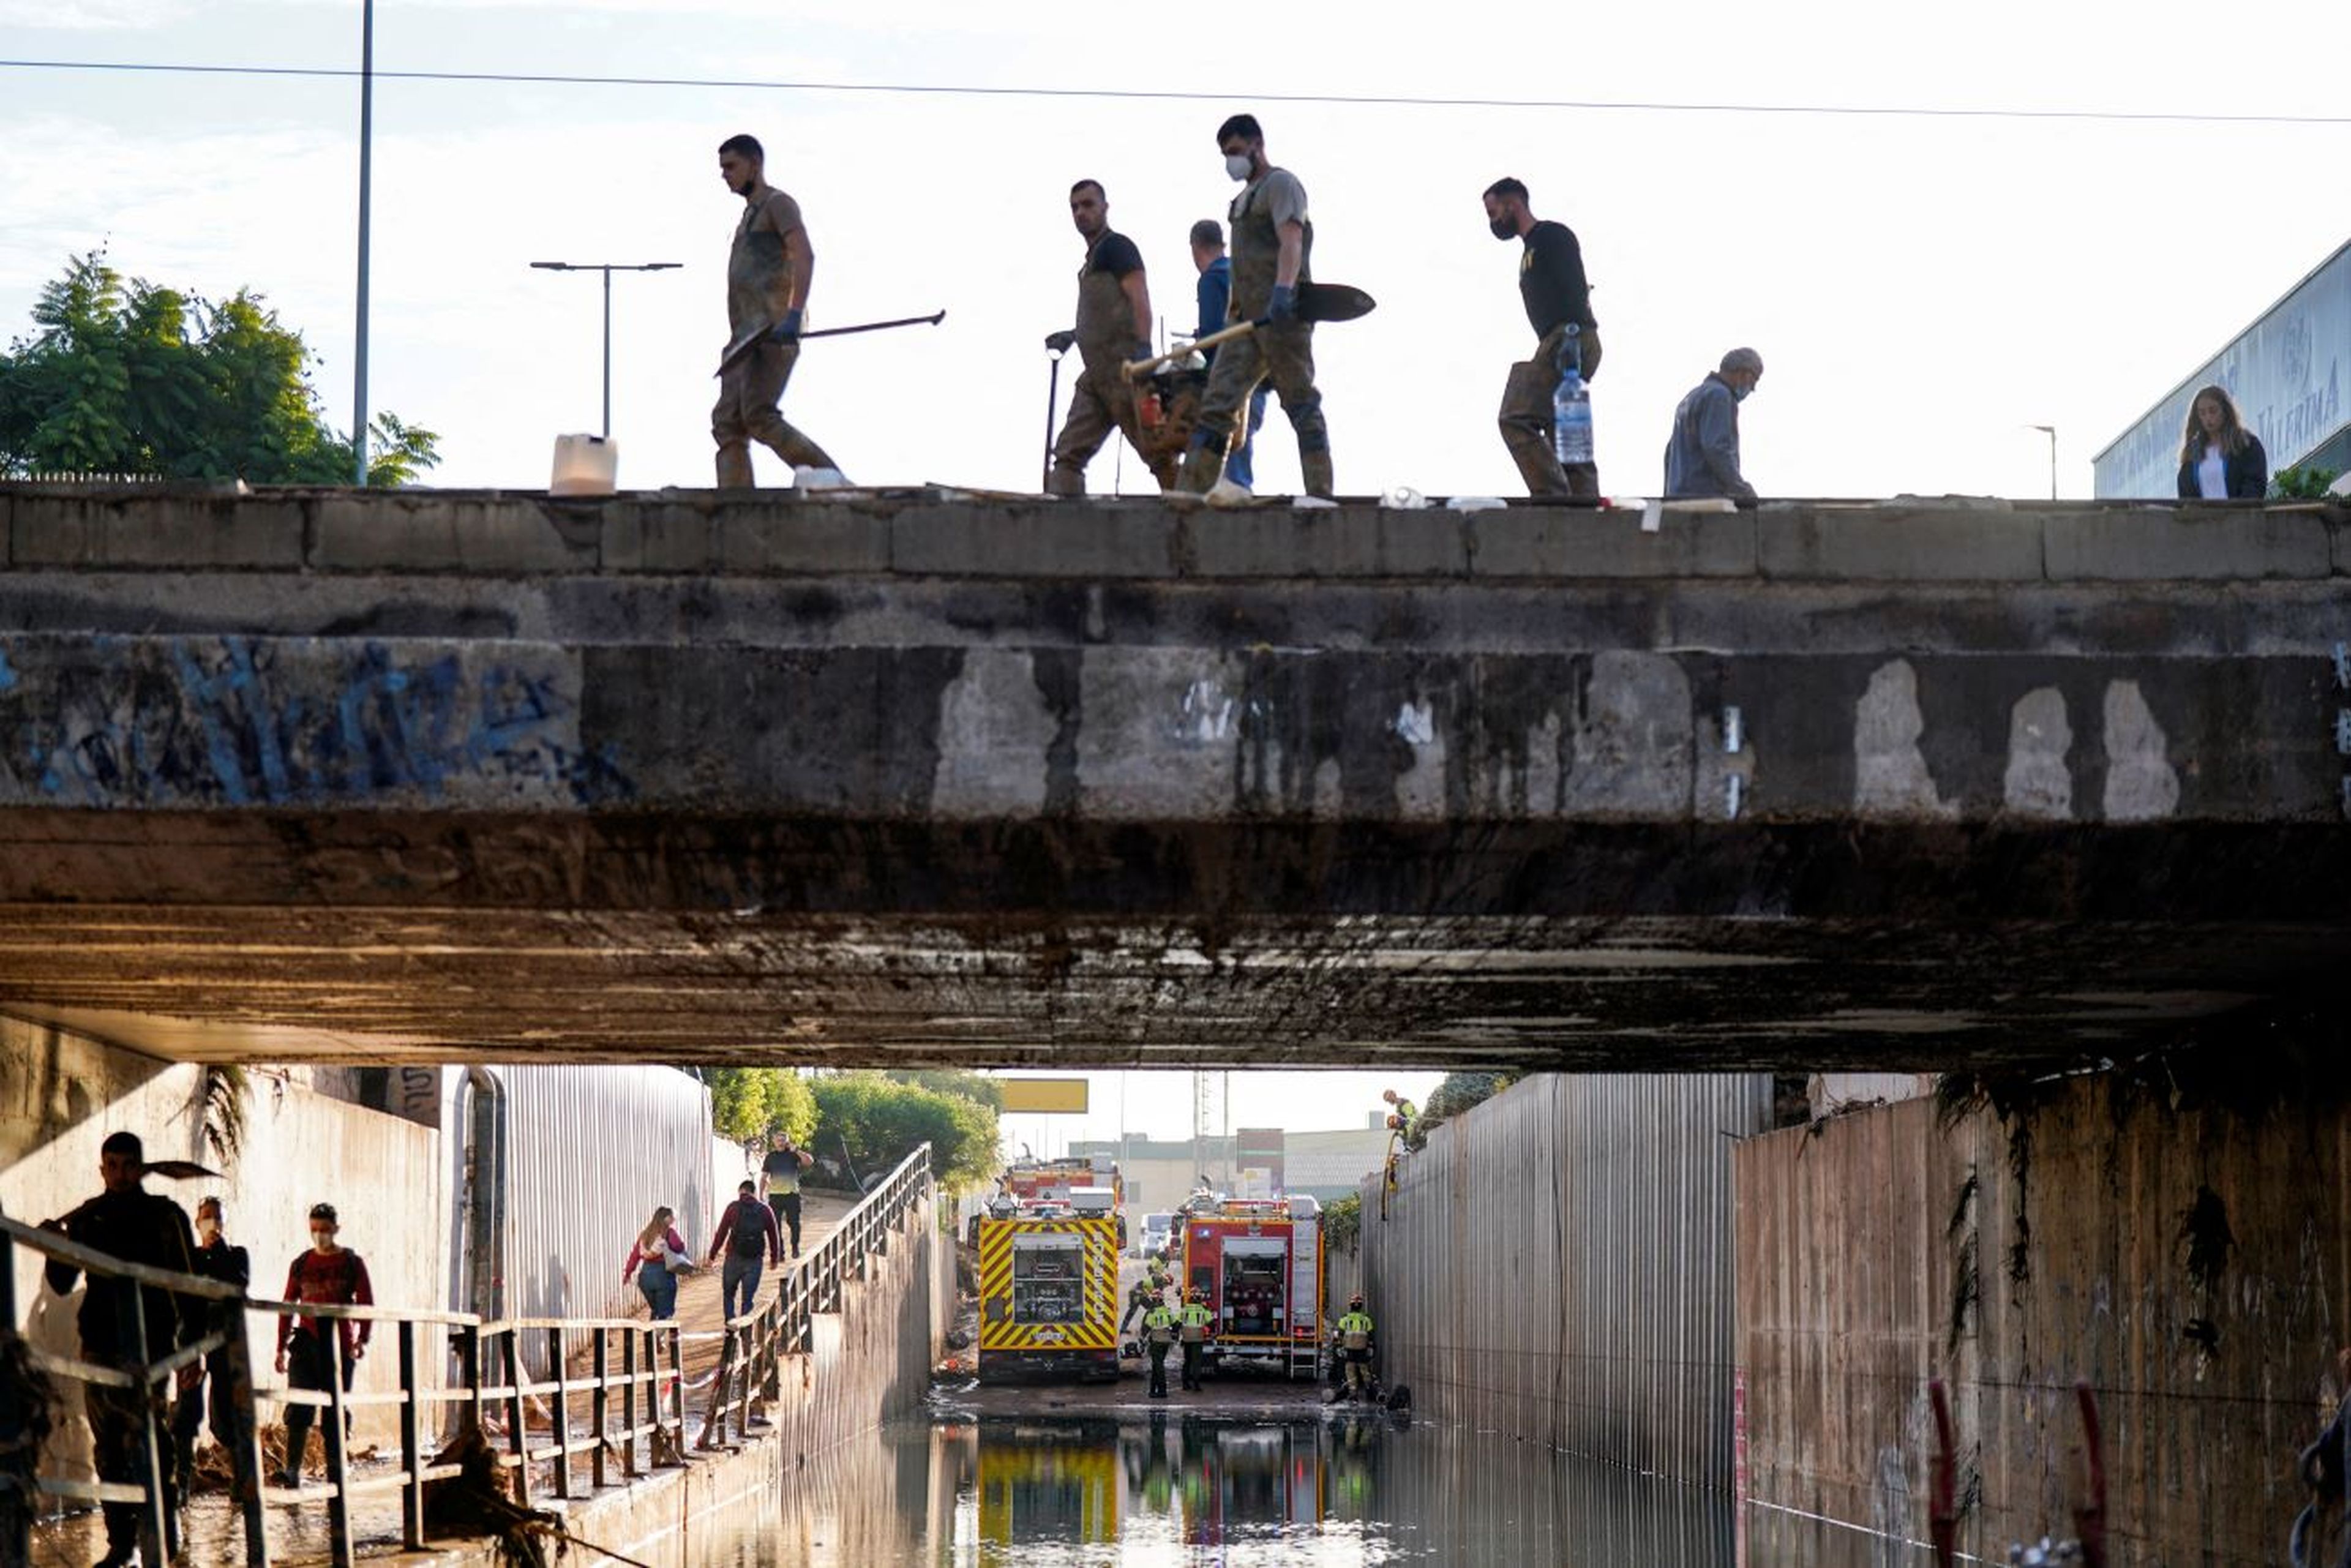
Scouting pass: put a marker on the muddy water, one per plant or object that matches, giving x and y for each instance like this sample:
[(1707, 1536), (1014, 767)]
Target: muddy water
[(1156, 1486)]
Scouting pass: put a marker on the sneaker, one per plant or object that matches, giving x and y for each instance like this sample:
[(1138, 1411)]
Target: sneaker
[(1228, 492), (819, 479)]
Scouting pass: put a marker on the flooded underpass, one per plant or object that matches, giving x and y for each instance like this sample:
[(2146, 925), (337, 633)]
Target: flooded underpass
[(1284, 1483)]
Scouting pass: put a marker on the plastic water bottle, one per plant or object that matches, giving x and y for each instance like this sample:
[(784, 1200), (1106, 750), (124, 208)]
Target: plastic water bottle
[(1570, 406)]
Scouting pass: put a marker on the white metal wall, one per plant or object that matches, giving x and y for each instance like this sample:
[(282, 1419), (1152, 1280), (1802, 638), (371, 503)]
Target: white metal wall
[(591, 1151), (1557, 1265)]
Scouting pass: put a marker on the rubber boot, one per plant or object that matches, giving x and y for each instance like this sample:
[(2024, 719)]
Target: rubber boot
[(1315, 466)]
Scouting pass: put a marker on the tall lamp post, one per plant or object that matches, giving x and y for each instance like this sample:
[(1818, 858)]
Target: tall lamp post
[(2051, 431), (607, 269), (367, 160)]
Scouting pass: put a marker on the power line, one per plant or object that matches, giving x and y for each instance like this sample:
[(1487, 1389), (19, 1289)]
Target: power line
[(1368, 100)]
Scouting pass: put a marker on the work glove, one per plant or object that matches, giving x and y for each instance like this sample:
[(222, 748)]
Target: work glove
[(1284, 304), (787, 330), (1060, 342)]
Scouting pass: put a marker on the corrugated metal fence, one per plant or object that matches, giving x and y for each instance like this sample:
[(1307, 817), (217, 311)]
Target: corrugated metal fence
[(591, 1151), (1557, 1265)]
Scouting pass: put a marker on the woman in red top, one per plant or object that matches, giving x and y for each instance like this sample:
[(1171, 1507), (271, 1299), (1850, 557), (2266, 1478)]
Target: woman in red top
[(328, 1275), (656, 1259)]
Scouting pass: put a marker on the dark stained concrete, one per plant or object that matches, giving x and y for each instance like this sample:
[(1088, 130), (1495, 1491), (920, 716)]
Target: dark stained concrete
[(922, 777)]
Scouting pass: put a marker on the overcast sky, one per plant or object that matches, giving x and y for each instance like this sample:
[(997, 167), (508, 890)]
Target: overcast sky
[(1921, 290)]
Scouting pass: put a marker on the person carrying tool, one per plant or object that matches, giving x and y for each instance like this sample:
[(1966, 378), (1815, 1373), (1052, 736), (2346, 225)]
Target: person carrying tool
[(1355, 1346), (1273, 242), (1159, 1332), (1197, 1318), (1404, 1116), (768, 274), (1214, 293), (1553, 287), (1114, 325)]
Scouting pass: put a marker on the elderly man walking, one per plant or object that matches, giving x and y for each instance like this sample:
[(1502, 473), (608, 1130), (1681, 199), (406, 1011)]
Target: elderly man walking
[(1702, 454)]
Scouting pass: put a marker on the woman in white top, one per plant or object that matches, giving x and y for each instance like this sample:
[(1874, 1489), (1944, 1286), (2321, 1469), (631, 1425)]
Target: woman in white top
[(2220, 459)]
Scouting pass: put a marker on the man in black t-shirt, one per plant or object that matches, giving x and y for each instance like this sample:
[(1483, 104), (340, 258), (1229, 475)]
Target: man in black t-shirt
[(1114, 327), (1553, 287), (780, 1171)]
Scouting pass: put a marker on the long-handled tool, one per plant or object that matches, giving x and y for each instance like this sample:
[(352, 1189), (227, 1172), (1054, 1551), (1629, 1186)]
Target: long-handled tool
[(1316, 302), (751, 338), (1053, 400)]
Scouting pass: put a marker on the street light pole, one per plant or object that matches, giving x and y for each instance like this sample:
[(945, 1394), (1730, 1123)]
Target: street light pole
[(607, 269), (367, 159), (2051, 431)]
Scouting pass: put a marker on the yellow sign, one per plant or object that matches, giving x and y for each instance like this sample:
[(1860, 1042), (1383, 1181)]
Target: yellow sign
[(1046, 1095)]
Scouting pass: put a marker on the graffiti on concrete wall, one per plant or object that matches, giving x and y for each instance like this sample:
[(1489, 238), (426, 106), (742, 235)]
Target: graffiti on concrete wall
[(237, 721)]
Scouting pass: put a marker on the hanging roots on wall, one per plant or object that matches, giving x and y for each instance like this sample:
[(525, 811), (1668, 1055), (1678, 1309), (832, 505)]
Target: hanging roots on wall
[(30, 1398)]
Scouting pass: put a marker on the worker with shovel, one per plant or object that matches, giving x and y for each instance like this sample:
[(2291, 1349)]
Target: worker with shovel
[(1273, 243), (1114, 325), (768, 274)]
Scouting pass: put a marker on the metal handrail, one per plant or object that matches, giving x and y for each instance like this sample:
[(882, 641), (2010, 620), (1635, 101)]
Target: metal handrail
[(650, 1383)]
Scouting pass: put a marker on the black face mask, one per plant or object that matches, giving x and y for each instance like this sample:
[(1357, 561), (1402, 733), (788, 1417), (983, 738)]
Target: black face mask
[(1504, 228)]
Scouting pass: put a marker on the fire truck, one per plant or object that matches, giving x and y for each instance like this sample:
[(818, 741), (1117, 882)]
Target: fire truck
[(1258, 1263), (1049, 1289), (1027, 1181)]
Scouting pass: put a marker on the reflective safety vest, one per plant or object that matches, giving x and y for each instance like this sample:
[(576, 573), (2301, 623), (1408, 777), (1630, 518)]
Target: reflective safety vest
[(1161, 1325), (1197, 1318), (1355, 1331)]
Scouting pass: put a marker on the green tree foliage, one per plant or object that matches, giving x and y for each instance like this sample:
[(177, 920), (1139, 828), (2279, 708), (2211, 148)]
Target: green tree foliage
[(2301, 484), (980, 1086), (881, 1121), (1342, 1223), (124, 377), (1459, 1090), (748, 1103)]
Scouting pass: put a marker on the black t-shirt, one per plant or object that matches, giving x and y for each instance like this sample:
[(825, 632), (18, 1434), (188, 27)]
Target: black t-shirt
[(1114, 254), (1550, 279)]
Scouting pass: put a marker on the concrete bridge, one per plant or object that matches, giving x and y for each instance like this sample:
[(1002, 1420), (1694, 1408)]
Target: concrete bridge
[(929, 777)]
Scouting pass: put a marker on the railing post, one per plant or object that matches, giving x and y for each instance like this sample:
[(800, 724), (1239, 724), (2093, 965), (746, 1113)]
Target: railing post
[(469, 1367), (771, 1347), (339, 1544), (15, 1505), (677, 1387), (629, 1403), (516, 1437), (561, 1418), (152, 1525), (600, 1409), (243, 1437), (412, 1442)]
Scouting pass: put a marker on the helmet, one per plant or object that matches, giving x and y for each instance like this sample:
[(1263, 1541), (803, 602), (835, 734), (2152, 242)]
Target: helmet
[(1356, 1300), (1197, 1294)]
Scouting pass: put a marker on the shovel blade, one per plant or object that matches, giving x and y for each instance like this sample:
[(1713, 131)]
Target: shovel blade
[(1333, 302)]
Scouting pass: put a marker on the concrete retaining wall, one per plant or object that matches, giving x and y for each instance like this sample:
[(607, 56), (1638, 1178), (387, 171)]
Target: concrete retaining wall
[(2193, 1264), (1556, 1265)]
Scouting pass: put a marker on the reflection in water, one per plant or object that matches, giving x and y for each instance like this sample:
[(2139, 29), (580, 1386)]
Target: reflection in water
[(1166, 1488)]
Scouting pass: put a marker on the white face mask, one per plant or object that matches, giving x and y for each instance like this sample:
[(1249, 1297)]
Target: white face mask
[(1237, 164)]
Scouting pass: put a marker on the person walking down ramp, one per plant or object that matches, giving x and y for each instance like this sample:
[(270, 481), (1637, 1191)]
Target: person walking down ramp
[(781, 1173), (767, 275), (746, 1233), (657, 1258)]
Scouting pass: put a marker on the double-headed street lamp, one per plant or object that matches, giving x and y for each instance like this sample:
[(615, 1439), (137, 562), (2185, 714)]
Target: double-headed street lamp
[(607, 269)]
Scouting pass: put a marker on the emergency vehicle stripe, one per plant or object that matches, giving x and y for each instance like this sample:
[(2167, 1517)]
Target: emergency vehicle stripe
[(1100, 1329)]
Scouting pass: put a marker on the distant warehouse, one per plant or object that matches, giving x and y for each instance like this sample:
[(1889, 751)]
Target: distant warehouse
[(2285, 371)]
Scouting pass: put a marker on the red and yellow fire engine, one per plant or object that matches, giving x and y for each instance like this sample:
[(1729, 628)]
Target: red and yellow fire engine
[(1259, 1264)]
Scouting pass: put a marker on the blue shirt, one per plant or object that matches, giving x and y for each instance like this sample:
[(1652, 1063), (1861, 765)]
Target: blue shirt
[(1702, 456), (1216, 293)]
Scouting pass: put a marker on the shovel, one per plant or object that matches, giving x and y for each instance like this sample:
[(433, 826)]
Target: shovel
[(1316, 302), (753, 337)]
